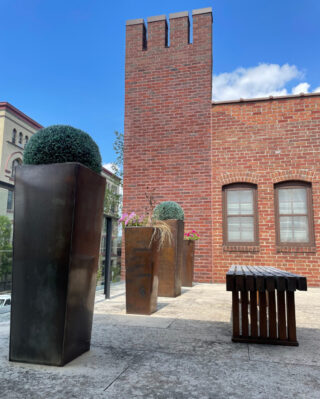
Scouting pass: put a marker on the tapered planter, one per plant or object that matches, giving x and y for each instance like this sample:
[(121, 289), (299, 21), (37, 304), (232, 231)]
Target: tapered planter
[(141, 270), (57, 228), (170, 261), (188, 263)]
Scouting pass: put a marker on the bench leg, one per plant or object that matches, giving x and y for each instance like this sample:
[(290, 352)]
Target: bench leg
[(235, 314), (263, 315), (292, 334), (272, 315), (282, 330), (253, 314), (244, 314)]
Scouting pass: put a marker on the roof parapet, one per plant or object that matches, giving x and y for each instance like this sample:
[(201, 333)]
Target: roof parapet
[(244, 100), (179, 14), (155, 36), (156, 18), (135, 21), (202, 11)]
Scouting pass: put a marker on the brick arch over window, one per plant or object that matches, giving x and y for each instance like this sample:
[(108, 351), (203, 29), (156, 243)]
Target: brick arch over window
[(307, 176), (240, 177)]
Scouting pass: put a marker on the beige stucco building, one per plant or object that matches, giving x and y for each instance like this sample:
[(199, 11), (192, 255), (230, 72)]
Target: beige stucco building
[(16, 129)]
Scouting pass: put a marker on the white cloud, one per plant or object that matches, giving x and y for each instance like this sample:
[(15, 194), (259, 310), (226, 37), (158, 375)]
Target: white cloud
[(259, 81), (317, 90), (301, 88)]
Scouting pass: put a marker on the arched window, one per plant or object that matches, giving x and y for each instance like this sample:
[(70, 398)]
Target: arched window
[(14, 136), (26, 139), (20, 137), (15, 163), (240, 214), (294, 214), (10, 200)]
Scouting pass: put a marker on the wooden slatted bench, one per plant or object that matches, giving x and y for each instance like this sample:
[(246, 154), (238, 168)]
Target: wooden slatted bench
[(271, 319)]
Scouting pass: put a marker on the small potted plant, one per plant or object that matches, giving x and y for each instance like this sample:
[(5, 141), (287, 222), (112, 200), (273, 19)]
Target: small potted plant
[(170, 259), (59, 195), (188, 257), (143, 239)]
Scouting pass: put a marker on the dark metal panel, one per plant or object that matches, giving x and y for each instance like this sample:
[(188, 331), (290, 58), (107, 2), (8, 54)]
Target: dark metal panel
[(170, 261), (188, 263), (141, 270)]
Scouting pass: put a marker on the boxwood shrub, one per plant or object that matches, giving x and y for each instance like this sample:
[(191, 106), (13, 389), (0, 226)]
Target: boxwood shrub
[(61, 143), (168, 210)]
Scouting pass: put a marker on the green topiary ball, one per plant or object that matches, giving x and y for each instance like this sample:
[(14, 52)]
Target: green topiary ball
[(168, 210), (60, 143)]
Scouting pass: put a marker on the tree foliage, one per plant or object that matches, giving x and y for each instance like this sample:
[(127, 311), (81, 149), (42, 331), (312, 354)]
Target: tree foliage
[(5, 247), (118, 147), (112, 202)]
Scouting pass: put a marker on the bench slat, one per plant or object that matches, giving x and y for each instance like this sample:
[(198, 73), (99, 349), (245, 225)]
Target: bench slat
[(262, 278)]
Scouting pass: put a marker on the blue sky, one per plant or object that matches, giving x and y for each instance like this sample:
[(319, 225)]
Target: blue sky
[(63, 61)]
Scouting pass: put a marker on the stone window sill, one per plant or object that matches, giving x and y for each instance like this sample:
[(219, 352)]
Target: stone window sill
[(241, 248)]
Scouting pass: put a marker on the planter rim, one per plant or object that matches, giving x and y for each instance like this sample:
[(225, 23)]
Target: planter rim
[(139, 227), (58, 165), (164, 220)]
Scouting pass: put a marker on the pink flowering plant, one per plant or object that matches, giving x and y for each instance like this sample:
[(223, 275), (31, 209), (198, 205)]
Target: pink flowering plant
[(161, 233), (132, 219), (191, 235)]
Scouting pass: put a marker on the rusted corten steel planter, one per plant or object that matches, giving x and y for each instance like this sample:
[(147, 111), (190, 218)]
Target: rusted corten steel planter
[(141, 270), (57, 229), (188, 263), (170, 261)]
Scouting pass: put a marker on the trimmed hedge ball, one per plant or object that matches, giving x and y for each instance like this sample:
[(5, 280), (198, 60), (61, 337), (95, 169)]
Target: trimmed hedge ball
[(168, 210), (60, 143)]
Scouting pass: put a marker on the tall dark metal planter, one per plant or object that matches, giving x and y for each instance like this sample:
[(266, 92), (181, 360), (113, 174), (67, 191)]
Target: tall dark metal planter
[(57, 229), (141, 270), (188, 263), (170, 261)]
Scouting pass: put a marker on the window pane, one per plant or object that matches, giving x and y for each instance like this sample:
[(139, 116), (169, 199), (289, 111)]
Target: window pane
[(300, 229), (240, 229), (240, 202), (286, 230), (10, 200), (294, 229), (292, 201)]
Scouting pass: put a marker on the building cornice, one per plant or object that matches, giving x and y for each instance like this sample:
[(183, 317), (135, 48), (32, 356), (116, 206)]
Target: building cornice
[(13, 110), (111, 174)]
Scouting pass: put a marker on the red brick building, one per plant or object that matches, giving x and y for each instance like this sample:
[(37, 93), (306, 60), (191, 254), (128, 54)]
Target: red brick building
[(245, 172)]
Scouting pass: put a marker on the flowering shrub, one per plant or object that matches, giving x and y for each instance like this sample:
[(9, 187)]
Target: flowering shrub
[(161, 233), (191, 235), (132, 219)]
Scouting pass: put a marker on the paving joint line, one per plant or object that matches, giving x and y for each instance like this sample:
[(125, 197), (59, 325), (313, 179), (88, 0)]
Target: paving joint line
[(118, 376)]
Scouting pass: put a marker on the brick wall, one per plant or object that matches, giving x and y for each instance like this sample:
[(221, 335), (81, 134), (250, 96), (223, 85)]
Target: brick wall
[(167, 121), (266, 142), (183, 147)]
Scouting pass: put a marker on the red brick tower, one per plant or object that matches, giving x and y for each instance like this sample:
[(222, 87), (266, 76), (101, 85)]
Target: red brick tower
[(167, 121)]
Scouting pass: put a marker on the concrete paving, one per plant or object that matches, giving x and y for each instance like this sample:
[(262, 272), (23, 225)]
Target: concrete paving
[(184, 350)]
